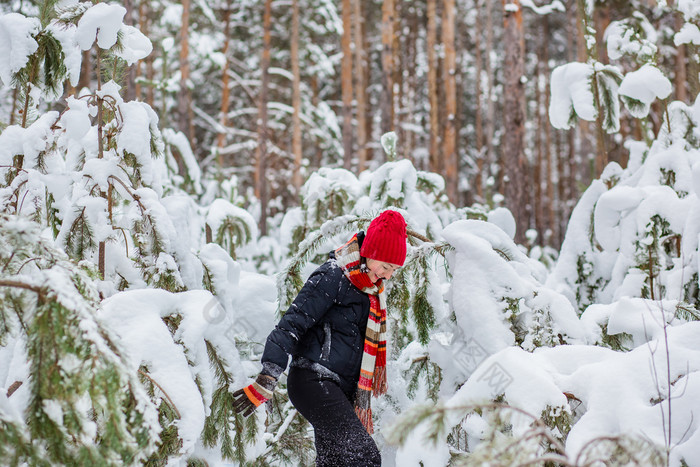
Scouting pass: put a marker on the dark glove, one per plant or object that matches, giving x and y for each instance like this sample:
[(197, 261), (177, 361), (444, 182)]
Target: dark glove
[(249, 398)]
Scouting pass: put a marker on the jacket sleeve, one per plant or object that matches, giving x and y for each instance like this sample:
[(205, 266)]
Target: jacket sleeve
[(313, 301)]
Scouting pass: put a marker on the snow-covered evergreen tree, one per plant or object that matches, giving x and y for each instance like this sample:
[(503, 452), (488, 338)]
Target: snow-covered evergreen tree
[(97, 181), (72, 397), (623, 389)]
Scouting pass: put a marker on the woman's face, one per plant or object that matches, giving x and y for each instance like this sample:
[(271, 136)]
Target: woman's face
[(380, 270)]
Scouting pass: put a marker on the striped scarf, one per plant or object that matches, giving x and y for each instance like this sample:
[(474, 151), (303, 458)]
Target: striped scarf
[(373, 368)]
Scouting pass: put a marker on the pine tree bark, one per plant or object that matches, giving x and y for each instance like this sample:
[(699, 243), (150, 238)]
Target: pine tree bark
[(580, 138), (143, 27), (185, 94), (602, 21), (601, 155), (537, 201), (431, 42), (539, 169), (225, 90), (478, 120), (261, 188), (410, 82), (317, 158), (296, 98), (101, 247), (489, 131), (15, 98), (150, 70), (693, 70), (346, 82), (387, 95), (399, 59), (516, 170), (85, 80), (681, 78), (564, 150), (130, 79), (369, 131), (449, 142), (549, 169), (401, 49), (360, 84)]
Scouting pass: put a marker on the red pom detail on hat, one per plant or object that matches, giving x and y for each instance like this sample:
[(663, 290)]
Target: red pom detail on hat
[(385, 239)]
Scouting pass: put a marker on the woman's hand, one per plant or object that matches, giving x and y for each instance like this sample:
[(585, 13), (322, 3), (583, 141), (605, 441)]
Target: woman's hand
[(249, 398)]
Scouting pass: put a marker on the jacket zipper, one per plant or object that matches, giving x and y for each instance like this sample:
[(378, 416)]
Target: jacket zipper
[(326, 349)]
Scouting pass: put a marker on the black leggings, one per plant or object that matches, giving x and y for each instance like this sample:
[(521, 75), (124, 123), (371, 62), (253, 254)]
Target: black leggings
[(341, 439)]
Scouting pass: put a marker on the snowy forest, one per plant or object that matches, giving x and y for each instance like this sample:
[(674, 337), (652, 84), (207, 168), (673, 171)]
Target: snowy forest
[(172, 171)]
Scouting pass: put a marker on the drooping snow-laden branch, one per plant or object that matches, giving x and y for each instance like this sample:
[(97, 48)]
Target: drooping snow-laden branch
[(23, 285), (155, 383), (407, 423)]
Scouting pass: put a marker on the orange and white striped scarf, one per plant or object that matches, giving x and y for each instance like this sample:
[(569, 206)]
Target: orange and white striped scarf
[(373, 369)]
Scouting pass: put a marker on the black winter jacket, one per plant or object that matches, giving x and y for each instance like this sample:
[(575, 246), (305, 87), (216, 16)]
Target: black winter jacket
[(325, 325)]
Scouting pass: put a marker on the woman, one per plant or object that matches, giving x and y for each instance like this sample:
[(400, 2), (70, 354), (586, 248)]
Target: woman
[(335, 333)]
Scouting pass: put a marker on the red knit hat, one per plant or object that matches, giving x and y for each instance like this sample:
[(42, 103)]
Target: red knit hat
[(385, 239)]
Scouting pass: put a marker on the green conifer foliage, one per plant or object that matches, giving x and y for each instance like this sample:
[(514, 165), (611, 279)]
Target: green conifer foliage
[(538, 444), (44, 70), (409, 295), (289, 281), (84, 406), (15, 444), (234, 228), (327, 194), (127, 196), (223, 426)]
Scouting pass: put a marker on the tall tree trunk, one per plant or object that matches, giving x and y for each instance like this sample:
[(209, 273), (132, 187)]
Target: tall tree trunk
[(185, 94), (584, 152), (536, 196), (410, 82), (693, 70), (580, 139), (101, 247), (490, 131), (85, 80), (387, 96), (143, 27), (370, 131), (514, 118), (296, 98), (540, 174), (564, 189), (431, 42), (602, 21), (601, 154), (317, 158), (225, 91), (346, 83), (399, 58), (549, 168), (478, 123), (261, 185), (15, 99), (150, 69), (360, 85), (566, 141), (449, 142), (681, 80), (130, 79)]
